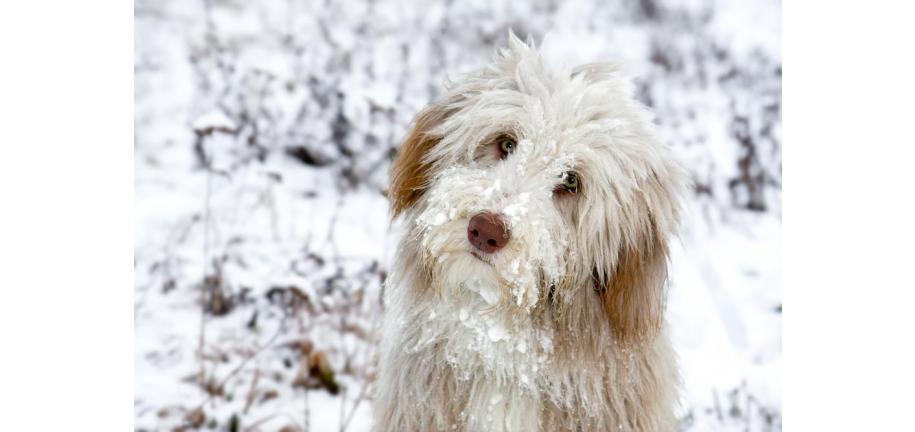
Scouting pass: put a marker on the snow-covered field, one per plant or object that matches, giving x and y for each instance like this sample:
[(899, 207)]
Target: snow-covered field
[(264, 131)]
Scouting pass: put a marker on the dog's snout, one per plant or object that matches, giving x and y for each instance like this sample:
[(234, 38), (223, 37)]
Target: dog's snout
[(487, 232)]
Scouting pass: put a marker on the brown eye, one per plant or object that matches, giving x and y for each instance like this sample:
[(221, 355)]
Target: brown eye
[(569, 183), (506, 146)]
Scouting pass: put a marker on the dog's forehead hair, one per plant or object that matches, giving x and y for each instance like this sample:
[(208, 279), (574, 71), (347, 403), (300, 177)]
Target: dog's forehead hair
[(585, 119), (573, 119), (570, 135)]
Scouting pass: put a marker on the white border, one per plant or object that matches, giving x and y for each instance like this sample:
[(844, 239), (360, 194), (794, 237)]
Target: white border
[(66, 224), (849, 175)]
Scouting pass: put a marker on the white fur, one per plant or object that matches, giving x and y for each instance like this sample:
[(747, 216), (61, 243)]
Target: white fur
[(476, 346)]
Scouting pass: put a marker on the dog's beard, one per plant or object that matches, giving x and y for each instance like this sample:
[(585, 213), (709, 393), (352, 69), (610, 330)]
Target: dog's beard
[(484, 318)]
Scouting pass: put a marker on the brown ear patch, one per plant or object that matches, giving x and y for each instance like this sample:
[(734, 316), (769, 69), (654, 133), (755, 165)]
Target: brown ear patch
[(634, 299), (410, 171)]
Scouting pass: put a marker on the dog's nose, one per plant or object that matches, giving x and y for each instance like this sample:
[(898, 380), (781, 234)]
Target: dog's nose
[(487, 232)]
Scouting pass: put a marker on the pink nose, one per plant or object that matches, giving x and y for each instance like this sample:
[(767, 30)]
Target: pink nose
[(486, 232)]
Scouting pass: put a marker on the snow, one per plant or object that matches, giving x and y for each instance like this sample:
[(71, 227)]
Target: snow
[(295, 107), (213, 121)]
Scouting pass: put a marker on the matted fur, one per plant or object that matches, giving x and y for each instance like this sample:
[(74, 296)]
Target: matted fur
[(563, 328)]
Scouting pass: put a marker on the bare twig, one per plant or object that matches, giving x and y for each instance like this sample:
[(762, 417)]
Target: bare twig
[(256, 425), (237, 369), (342, 409), (307, 412), (201, 342), (717, 405), (356, 402), (252, 392)]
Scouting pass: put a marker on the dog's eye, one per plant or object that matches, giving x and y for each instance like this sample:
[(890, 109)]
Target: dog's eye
[(569, 183), (506, 146)]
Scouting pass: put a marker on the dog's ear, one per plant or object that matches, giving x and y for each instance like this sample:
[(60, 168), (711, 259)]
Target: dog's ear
[(633, 285), (411, 168), (634, 296)]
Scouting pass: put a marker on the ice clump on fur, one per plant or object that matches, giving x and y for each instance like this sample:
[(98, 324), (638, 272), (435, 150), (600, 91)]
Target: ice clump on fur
[(483, 320), (509, 347), (530, 259)]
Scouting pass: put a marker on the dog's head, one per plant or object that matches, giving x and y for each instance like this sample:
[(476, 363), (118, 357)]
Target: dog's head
[(543, 186)]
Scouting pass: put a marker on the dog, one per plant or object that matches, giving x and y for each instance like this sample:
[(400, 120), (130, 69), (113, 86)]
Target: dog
[(528, 292)]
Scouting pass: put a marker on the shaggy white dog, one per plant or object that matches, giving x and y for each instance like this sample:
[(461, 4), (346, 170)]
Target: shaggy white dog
[(528, 293)]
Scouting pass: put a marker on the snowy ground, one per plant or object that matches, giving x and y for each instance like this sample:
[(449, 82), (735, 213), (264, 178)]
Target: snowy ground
[(263, 135)]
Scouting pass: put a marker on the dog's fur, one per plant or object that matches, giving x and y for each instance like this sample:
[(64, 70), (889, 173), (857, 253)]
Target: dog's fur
[(563, 328)]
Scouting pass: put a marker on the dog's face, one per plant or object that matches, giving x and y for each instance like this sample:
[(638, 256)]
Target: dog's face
[(531, 189)]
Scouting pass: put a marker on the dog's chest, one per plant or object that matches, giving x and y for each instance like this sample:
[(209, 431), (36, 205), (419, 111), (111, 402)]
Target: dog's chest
[(499, 360)]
